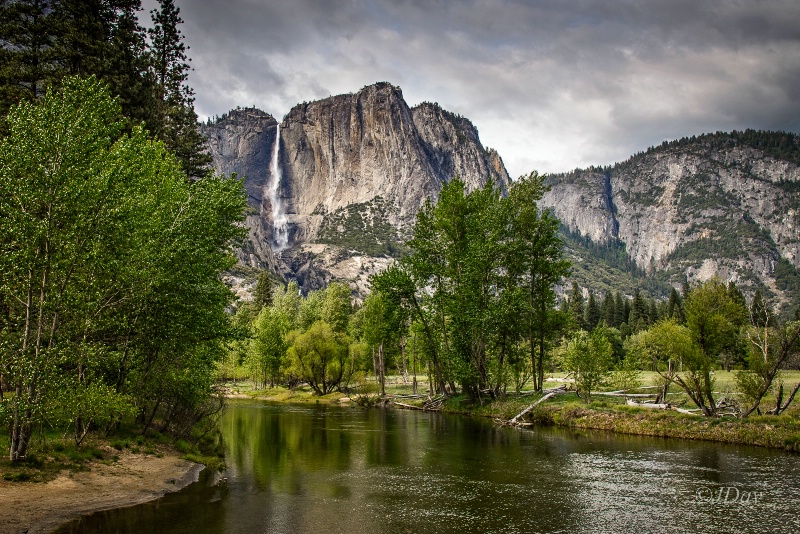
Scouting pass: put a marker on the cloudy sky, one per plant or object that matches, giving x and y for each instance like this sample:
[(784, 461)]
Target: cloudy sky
[(551, 84)]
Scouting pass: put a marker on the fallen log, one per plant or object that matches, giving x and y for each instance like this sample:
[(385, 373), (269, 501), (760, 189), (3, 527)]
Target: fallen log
[(620, 394), (631, 402), (513, 421), (407, 406)]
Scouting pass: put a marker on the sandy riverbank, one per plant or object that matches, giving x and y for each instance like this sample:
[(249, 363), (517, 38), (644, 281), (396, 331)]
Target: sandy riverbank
[(135, 478)]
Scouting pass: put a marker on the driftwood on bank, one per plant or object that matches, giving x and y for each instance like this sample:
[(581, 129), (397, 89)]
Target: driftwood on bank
[(661, 406), (408, 406), (549, 394)]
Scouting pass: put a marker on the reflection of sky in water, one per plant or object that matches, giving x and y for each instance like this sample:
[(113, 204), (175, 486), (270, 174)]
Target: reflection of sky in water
[(308, 469)]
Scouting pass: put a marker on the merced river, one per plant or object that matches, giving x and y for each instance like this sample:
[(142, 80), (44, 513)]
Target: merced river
[(352, 470)]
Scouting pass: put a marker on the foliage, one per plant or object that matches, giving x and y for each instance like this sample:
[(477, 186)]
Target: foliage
[(44, 41), (320, 357), (107, 281), (362, 227), (267, 352), (589, 359), (480, 262)]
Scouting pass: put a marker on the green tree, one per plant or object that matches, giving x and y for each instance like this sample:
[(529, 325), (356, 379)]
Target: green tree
[(593, 314), (105, 278), (639, 316), (267, 355), (262, 294), (607, 309), (576, 310), (320, 357), (27, 54), (537, 263), (46, 40), (589, 357), (177, 121), (336, 306), (675, 307), (620, 313), (772, 344)]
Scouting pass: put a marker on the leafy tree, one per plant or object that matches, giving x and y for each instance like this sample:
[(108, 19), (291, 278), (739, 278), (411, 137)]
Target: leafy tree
[(288, 301), (771, 345), (537, 263), (105, 279), (589, 357), (715, 314), (267, 354), (336, 307), (686, 356), (320, 357), (669, 349)]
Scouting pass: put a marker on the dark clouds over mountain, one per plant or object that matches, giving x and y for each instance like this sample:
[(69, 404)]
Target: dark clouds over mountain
[(551, 84)]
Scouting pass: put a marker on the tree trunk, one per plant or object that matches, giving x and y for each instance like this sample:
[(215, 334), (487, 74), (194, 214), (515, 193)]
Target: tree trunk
[(382, 369), (403, 358), (414, 365)]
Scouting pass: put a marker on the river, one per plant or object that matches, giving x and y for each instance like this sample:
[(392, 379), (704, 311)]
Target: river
[(351, 470)]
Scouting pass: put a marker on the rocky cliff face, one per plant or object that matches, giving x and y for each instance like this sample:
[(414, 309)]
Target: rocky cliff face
[(353, 170), (722, 204)]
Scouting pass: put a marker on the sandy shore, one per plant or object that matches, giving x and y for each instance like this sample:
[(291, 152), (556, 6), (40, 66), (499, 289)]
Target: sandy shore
[(136, 478)]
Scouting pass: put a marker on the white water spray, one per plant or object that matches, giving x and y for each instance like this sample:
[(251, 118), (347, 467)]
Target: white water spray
[(280, 227)]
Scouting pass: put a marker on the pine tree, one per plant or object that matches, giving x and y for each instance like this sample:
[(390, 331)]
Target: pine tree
[(607, 309), (262, 294), (638, 318), (620, 313), (27, 50), (593, 315), (675, 307), (46, 40), (177, 122), (576, 306), (652, 312)]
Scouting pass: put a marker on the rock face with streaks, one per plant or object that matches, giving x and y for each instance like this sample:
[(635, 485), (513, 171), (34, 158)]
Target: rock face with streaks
[(718, 204), (354, 171)]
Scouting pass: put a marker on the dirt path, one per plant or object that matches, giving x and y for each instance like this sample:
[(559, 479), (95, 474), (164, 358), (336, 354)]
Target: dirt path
[(136, 478)]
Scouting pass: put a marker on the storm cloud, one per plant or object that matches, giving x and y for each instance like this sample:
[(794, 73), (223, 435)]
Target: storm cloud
[(552, 85)]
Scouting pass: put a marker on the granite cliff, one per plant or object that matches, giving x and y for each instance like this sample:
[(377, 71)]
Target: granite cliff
[(725, 204), (352, 171)]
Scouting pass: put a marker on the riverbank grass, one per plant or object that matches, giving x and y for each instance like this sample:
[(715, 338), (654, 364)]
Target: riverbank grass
[(51, 453), (603, 413)]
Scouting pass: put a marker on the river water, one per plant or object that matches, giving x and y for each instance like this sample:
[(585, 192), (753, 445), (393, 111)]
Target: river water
[(351, 470)]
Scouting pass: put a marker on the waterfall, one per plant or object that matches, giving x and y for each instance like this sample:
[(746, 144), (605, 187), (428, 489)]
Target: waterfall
[(280, 229)]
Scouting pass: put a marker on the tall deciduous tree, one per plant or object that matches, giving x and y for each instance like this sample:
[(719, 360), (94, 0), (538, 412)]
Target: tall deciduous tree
[(106, 283), (539, 263), (480, 262)]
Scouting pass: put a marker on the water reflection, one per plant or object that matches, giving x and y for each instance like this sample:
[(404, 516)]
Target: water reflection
[(319, 468)]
